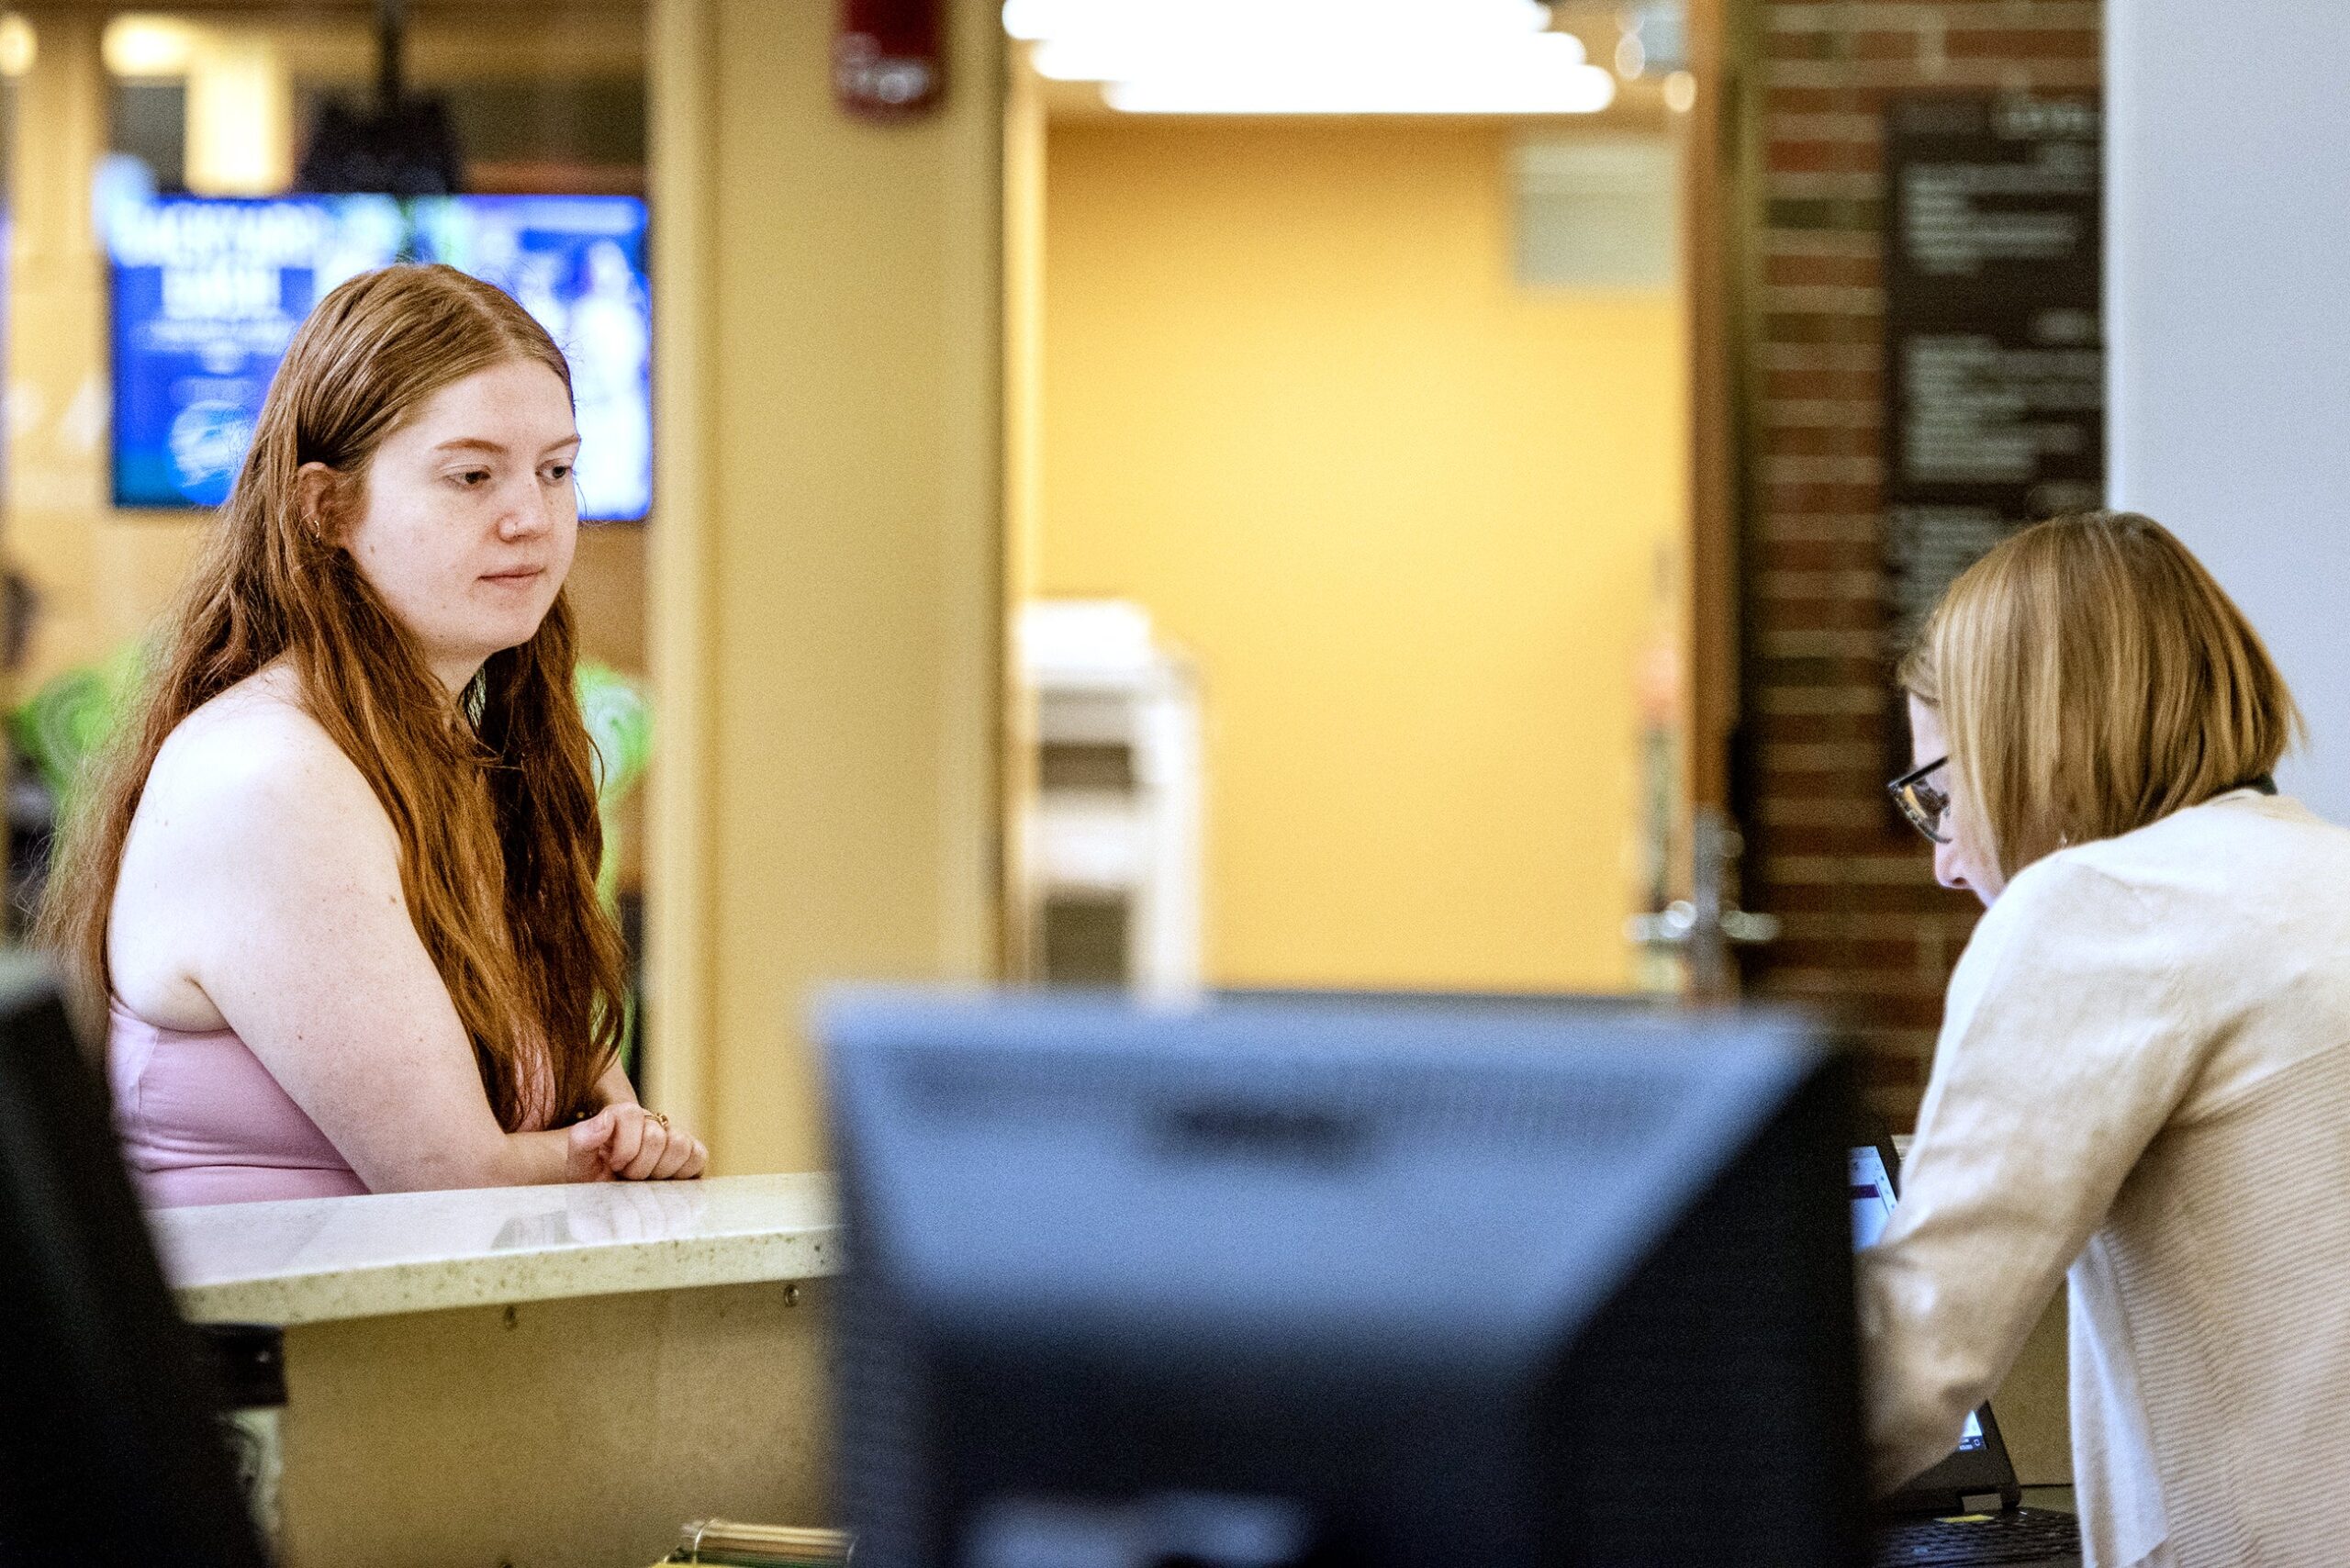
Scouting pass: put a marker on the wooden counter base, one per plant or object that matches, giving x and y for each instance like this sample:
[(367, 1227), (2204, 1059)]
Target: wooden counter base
[(558, 1434), (532, 1377)]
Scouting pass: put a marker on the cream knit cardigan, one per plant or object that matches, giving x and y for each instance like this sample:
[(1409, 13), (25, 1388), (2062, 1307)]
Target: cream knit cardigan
[(2143, 1074)]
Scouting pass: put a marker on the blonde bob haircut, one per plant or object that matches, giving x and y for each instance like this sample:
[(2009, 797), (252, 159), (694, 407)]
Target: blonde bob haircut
[(2091, 677)]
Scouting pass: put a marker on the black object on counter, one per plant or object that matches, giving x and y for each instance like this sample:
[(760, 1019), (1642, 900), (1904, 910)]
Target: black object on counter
[(249, 1368), (248, 1362)]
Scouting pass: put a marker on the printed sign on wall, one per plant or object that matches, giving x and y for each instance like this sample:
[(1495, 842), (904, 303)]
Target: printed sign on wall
[(1994, 335)]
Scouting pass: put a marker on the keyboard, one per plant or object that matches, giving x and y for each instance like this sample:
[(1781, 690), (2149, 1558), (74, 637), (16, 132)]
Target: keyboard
[(2026, 1535)]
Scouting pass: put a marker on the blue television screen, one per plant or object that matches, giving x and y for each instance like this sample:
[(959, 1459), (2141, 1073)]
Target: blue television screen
[(207, 293)]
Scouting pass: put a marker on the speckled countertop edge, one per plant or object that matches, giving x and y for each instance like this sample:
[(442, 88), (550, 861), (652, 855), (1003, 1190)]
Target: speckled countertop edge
[(554, 1274)]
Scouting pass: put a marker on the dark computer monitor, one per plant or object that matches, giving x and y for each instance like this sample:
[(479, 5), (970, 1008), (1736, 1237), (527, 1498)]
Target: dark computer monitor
[(110, 1451), (1265, 1284)]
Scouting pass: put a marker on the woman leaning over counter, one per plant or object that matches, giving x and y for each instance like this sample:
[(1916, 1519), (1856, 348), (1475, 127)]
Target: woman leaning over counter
[(335, 883), (2143, 1073)]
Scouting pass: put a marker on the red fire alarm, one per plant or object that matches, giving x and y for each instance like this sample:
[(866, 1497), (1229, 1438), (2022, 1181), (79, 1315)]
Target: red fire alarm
[(889, 61)]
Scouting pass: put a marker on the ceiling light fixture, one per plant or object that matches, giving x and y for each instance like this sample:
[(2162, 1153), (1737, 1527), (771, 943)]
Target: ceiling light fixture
[(1550, 79), (148, 45), (1324, 57), (18, 46), (1034, 21)]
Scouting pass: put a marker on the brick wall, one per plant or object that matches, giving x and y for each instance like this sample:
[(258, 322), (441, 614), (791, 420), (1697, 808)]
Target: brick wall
[(1868, 935)]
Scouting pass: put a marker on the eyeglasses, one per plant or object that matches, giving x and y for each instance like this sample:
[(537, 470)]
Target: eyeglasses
[(1925, 804)]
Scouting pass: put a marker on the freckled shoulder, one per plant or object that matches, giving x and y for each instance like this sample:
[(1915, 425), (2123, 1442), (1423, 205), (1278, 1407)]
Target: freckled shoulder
[(252, 824), (251, 762)]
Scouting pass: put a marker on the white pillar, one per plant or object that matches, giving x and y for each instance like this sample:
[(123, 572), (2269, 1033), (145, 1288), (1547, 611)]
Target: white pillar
[(2228, 316)]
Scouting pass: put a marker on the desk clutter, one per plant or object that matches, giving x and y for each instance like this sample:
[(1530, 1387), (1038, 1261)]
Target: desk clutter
[(741, 1545)]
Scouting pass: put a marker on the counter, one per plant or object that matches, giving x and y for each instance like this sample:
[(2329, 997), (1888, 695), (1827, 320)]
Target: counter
[(326, 1260), (530, 1376)]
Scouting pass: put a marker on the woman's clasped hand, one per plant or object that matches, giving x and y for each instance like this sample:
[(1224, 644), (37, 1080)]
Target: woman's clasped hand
[(625, 1142)]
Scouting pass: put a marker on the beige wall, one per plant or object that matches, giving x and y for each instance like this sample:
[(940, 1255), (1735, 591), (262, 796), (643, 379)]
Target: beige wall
[(1408, 514), (826, 606), (99, 574)]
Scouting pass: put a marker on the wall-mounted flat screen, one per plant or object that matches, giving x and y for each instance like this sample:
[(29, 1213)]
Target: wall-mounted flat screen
[(207, 293)]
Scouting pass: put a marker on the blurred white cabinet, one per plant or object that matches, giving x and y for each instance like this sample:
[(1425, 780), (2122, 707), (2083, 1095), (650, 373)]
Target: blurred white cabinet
[(1110, 860)]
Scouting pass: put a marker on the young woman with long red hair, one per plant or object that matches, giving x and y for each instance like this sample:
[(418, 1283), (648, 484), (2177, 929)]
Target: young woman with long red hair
[(335, 883)]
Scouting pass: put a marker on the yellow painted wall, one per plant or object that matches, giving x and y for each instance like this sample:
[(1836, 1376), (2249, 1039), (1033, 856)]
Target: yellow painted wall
[(1406, 513)]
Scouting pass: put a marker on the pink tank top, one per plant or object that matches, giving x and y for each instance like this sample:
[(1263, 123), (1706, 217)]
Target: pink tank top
[(203, 1122)]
